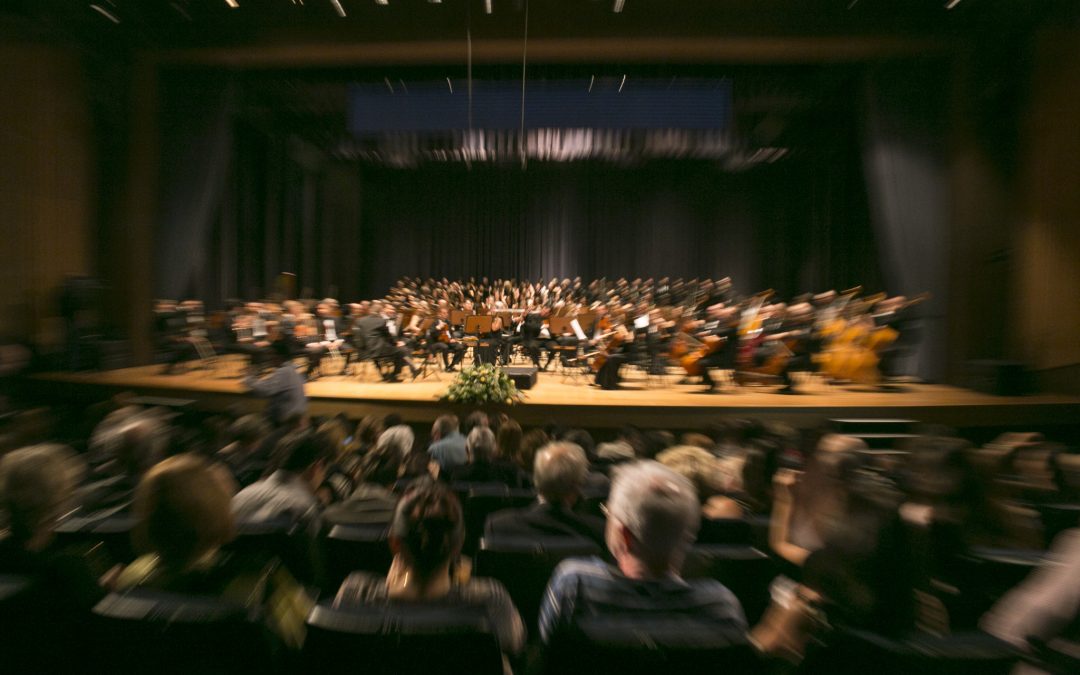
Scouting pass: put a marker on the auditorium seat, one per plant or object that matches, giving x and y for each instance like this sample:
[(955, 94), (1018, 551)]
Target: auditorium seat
[(480, 500), (725, 531), (37, 633), (985, 574), (114, 532), (524, 567), (348, 548), (282, 539), (144, 631), (401, 639), (745, 570), (856, 652), (651, 645)]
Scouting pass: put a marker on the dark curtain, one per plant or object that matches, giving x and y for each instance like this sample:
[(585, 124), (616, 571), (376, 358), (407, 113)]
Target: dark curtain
[(786, 226), (906, 167)]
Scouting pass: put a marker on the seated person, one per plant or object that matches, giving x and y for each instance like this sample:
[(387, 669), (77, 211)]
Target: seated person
[(483, 467), (36, 488), (243, 455), (559, 474), (447, 447), (426, 537), (711, 478), (125, 448), (652, 519), (182, 521), (289, 492), (373, 502)]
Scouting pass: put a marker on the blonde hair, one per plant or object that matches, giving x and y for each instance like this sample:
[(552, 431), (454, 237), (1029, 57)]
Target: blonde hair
[(36, 484), (183, 510)]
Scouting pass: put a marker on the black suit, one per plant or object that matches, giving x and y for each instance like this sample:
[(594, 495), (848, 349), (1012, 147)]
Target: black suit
[(372, 333), (545, 520), (507, 473)]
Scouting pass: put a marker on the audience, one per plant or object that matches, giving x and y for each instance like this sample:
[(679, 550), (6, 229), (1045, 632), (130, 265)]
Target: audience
[(652, 518), (559, 475), (880, 545), (426, 536)]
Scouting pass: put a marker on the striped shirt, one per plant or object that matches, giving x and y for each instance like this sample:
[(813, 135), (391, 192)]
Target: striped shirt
[(588, 587)]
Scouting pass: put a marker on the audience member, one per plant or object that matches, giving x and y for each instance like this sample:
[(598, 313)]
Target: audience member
[(127, 449), (484, 466), (283, 387), (243, 455), (288, 493), (710, 478), (559, 475), (183, 518), (653, 516), (447, 444), (426, 536), (372, 502)]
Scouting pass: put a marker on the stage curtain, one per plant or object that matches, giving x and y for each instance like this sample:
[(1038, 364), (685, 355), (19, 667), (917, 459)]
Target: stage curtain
[(906, 169)]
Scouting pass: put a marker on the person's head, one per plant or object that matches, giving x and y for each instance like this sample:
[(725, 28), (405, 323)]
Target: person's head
[(444, 426), (480, 444), (653, 515), (582, 439), (559, 472), (531, 442), (368, 430), (183, 511), (248, 430), (508, 440), (477, 418), (397, 439), (382, 465), (36, 485), (701, 468), (428, 529), (305, 454)]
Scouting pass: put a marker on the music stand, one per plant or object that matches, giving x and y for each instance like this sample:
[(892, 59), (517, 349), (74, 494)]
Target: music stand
[(478, 325), (558, 325), (457, 317)]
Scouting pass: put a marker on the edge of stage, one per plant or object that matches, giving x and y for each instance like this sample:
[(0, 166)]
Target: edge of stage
[(560, 398)]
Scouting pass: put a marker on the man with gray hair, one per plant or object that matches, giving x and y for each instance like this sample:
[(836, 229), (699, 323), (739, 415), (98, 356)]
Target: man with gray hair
[(559, 472), (652, 519)]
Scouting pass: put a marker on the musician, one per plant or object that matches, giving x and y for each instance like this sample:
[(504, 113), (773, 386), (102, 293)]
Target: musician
[(328, 337), (794, 335), (722, 324), (379, 345), (531, 326), (613, 353), (441, 340)]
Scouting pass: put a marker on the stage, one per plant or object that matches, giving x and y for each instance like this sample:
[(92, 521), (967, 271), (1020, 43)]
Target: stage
[(558, 397)]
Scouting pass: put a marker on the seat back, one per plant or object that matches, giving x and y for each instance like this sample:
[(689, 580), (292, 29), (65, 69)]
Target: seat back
[(480, 500), (653, 644), (281, 539), (168, 633), (348, 548), (725, 531), (114, 532), (524, 567), (860, 652), (401, 639), (745, 570)]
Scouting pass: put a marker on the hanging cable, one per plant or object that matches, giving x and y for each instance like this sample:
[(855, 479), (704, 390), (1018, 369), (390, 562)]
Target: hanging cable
[(524, 61)]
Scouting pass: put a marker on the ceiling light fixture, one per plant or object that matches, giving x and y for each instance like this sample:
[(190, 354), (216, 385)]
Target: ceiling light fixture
[(338, 8), (105, 13), (619, 5), (488, 6), (232, 4), (382, 2), (952, 3)]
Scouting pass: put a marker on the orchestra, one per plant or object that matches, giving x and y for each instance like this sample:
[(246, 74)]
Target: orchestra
[(697, 327)]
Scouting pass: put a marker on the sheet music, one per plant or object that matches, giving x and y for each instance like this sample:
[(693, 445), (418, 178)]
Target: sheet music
[(577, 329), (641, 322)]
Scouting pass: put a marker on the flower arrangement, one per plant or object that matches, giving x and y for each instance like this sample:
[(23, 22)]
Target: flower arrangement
[(483, 384)]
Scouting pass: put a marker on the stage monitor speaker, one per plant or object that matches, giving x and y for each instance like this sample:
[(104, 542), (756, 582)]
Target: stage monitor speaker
[(523, 377), (998, 377)]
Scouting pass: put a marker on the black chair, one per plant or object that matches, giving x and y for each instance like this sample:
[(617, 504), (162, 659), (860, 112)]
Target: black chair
[(524, 567), (984, 574), (282, 539), (480, 500), (145, 631), (857, 652), (648, 645), (348, 548), (745, 570), (113, 532), (400, 639), (725, 531), (1057, 656)]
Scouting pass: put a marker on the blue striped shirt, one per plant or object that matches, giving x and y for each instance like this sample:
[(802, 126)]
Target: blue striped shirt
[(588, 587)]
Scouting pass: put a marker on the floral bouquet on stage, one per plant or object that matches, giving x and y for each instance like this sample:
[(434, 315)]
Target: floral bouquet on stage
[(482, 385)]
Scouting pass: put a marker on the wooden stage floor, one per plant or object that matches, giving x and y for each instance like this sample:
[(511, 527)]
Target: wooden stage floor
[(655, 403)]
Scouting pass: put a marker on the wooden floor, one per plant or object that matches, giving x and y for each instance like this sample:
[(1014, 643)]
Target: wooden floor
[(647, 402)]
